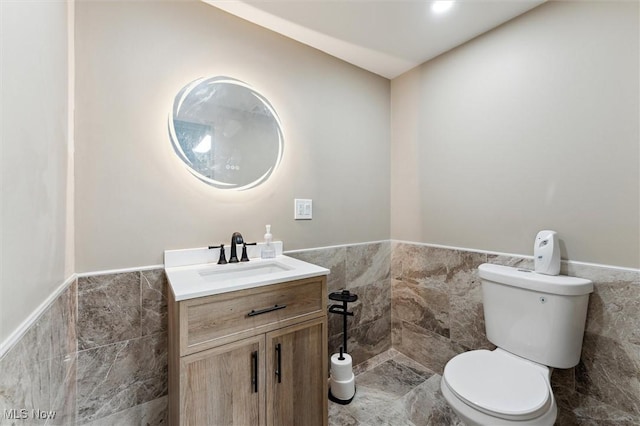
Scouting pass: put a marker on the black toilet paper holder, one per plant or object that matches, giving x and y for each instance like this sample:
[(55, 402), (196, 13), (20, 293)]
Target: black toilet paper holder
[(345, 297)]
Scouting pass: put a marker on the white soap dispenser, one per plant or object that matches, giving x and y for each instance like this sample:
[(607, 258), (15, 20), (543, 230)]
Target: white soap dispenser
[(268, 250), (546, 253)]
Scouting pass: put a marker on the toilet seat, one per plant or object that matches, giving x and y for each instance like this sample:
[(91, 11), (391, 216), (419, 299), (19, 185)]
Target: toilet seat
[(499, 384)]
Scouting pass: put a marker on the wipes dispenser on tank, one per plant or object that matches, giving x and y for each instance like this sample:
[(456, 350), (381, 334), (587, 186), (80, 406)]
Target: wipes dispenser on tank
[(342, 384)]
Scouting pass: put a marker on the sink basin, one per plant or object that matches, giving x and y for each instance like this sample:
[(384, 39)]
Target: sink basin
[(242, 271), (195, 273)]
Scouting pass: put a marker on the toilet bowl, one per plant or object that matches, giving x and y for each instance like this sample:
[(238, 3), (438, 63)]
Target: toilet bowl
[(498, 388)]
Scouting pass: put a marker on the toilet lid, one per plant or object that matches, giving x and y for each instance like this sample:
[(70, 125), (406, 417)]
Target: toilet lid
[(499, 384)]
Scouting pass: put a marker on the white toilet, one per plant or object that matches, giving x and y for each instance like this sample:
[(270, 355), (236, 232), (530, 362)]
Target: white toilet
[(536, 321)]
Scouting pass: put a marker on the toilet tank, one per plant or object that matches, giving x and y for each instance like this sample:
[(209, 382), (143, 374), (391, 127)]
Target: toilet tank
[(538, 317)]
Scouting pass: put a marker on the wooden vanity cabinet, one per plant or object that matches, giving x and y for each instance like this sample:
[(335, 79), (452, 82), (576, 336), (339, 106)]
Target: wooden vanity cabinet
[(297, 395), (250, 357), (219, 387)]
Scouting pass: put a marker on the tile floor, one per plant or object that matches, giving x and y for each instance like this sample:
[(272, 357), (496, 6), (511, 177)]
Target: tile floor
[(392, 389)]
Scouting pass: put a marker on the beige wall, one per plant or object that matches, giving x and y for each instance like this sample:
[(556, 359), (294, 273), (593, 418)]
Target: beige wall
[(34, 157), (534, 125), (134, 199), (531, 126)]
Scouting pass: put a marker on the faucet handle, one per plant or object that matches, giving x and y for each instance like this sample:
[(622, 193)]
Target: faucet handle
[(222, 260), (244, 257)]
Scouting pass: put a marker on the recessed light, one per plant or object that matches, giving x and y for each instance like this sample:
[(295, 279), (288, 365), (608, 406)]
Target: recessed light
[(441, 6)]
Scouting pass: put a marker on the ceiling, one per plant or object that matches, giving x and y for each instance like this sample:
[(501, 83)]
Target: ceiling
[(386, 37)]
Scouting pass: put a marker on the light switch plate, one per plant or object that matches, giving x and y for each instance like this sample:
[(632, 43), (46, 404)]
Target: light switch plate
[(303, 209)]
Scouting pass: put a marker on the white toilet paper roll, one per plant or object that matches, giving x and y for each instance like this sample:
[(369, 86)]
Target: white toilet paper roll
[(341, 369), (343, 389)]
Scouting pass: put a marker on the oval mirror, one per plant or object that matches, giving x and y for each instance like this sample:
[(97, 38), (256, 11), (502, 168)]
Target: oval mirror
[(226, 133)]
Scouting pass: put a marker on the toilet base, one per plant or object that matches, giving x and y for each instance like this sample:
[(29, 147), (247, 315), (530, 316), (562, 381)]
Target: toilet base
[(473, 417)]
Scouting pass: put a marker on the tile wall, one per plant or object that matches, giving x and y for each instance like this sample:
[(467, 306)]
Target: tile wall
[(38, 374), (364, 270), (437, 313), (122, 348), (97, 355)]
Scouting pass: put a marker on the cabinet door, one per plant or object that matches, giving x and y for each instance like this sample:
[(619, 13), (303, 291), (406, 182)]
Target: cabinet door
[(297, 375), (224, 385)]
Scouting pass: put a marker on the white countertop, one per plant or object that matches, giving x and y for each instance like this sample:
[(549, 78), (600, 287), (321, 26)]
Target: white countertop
[(205, 279)]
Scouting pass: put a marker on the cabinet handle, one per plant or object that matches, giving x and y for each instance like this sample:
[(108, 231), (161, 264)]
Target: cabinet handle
[(254, 375), (279, 367), (265, 310)]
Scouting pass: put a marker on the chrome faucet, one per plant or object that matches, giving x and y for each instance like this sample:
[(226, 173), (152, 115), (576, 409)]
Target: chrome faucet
[(236, 239)]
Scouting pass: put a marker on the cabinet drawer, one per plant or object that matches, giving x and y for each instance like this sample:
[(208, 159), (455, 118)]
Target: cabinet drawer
[(222, 318)]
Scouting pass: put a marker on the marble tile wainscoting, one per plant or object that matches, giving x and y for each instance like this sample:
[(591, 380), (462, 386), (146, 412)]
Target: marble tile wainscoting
[(97, 354), (122, 348), (437, 313), (38, 373), (363, 269), (122, 331)]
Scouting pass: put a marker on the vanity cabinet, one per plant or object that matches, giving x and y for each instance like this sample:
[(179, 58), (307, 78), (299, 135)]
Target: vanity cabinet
[(250, 357), (297, 378), (221, 386)]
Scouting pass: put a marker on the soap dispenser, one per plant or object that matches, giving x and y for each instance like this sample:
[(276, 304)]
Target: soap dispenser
[(546, 253), (268, 250)]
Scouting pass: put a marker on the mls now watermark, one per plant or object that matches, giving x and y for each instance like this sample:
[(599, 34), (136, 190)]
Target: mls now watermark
[(24, 414)]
